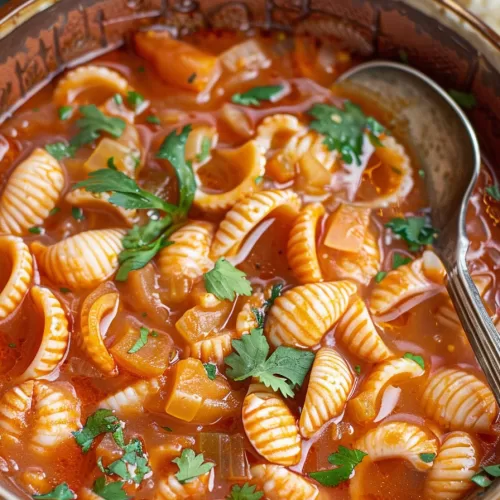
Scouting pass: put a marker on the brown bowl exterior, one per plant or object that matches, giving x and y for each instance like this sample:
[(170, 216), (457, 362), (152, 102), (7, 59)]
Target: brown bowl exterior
[(40, 38)]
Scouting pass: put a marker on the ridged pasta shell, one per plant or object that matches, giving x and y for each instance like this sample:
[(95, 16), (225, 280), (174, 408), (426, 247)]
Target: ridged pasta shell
[(458, 400), (57, 415), (187, 259), (87, 494), (90, 339), (270, 426), (55, 336), (245, 215), (329, 387), (130, 400), (14, 406), (301, 247), (17, 252), (214, 349), (249, 161), (83, 260), (172, 489), (399, 285), (85, 77), (453, 468), (246, 320), (302, 315), (358, 333), (279, 483), (277, 125), (365, 406), (31, 193)]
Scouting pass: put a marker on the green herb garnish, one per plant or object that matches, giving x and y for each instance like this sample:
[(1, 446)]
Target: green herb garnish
[(100, 422), (380, 276), (35, 230), (206, 144), (416, 231), (211, 370), (109, 491), (153, 119), (77, 213), (463, 99), (427, 457), (60, 150), (135, 99), (414, 357), (142, 340), (225, 281), (245, 492), (494, 192), (256, 95), (191, 78), (60, 492), (65, 112), (483, 478), (54, 211), (399, 260), (191, 466)]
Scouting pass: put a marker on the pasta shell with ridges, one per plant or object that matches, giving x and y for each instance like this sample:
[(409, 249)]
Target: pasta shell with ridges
[(301, 247), (245, 215), (30, 193), (172, 489), (270, 426), (358, 333), (214, 349), (302, 315), (458, 400), (279, 483), (365, 406), (17, 252), (330, 384), (246, 320), (14, 405), (455, 464), (55, 336), (278, 124), (83, 260)]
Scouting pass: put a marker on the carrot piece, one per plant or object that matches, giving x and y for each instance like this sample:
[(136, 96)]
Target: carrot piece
[(149, 361), (346, 228), (177, 63)]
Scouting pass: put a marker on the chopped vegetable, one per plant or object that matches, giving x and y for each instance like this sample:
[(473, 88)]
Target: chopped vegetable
[(191, 466), (211, 370), (357, 369), (346, 460), (256, 95), (35, 230), (494, 192), (154, 120), (60, 492), (54, 211), (111, 163), (206, 144), (60, 150), (275, 293), (399, 260), (282, 371), (77, 213), (414, 357), (135, 99), (416, 231), (100, 422), (225, 281), (118, 99), (245, 492), (65, 112), (427, 457), (141, 341), (380, 276), (482, 478), (109, 491), (464, 99)]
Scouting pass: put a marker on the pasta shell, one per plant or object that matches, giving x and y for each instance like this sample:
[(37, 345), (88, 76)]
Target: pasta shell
[(14, 406), (87, 494), (399, 285), (245, 215), (31, 193), (358, 333), (214, 349), (301, 250), (247, 55), (277, 125), (458, 400), (453, 468), (15, 251), (85, 77), (172, 489), (93, 311), (270, 426), (55, 336), (279, 483), (57, 415), (365, 406), (329, 387), (187, 259), (83, 260), (195, 144), (130, 401), (246, 320), (302, 315), (249, 161)]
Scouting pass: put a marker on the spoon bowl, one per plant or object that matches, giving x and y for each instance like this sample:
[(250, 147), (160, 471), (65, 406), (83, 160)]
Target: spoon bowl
[(446, 146)]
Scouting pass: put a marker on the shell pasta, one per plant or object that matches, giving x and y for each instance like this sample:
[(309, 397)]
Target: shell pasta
[(217, 281)]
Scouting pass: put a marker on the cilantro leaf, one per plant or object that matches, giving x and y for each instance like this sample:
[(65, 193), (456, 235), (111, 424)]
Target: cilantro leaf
[(206, 144), (482, 478), (380, 276), (140, 236), (65, 112), (285, 364), (191, 466), (494, 192), (416, 231), (173, 149), (60, 150), (135, 99), (259, 317), (225, 281), (100, 422), (109, 491), (77, 213), (60, 492), (141, 341), (256, 95), (463, 99), (245, 492), (154, 120), (133, 465), (357, 369), (399, 260), (211, 370), (275, 293), (418, 359), (427, 457), (346, 460)]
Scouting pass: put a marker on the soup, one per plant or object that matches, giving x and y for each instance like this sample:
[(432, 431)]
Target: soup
[(218, 282)]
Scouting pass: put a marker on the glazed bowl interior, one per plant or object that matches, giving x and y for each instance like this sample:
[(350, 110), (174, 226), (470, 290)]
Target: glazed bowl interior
[(40, 38)]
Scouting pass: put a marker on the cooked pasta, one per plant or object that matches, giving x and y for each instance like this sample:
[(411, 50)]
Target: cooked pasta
[(172, 489), (14, 406)]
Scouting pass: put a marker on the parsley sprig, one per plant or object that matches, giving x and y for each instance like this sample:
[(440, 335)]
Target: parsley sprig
[(225, 281), (245, 492), (256, 95), (416, 231), (346, 460), (109, 491), (191, 466), (100, 422), (60, 492), (483, 477)]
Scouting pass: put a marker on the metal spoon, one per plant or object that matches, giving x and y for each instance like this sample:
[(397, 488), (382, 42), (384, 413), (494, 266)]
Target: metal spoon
[(446, 146)]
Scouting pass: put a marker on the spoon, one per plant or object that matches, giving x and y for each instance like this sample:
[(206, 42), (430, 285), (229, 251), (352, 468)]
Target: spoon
[(446, 146)]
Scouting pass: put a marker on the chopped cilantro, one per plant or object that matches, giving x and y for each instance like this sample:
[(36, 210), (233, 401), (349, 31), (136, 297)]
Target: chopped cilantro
[(259, 179), (109, 491), (54, 211), (380, 276), (427, 457), (206, 144), (191, 466), (35, 230), (100, 422), (60, 492), (65, 112), (60, 150), (357, 369), (494, 192), (135, 99), (245, 492), (64, 290), (225, 281), (416, 231), (256, 95), (118, 99), (414, 357), (399, 260), (77, 213), (211, 370), (141, 341), (153, 120), (463, 99)]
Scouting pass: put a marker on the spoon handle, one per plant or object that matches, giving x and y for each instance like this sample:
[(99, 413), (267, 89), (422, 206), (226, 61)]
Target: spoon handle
[(481, 332)]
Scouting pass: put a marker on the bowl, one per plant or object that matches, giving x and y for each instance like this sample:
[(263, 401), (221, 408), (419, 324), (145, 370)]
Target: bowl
[(41, 38)]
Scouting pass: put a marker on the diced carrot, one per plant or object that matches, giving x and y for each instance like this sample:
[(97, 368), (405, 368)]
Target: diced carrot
[(151, 360), (194, 397), (279, 169), (346, 228), (170, 448), (177, 63)]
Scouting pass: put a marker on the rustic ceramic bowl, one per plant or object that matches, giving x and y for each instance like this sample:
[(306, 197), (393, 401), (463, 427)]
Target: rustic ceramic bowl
[(40, 38)]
